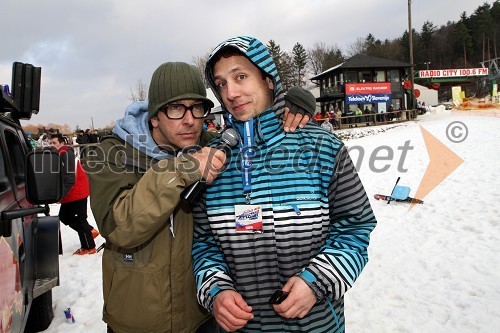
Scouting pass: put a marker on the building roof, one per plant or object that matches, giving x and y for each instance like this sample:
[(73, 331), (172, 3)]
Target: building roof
[(363, 61)]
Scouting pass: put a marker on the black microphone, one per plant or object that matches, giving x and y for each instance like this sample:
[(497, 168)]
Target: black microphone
[(229, 139)]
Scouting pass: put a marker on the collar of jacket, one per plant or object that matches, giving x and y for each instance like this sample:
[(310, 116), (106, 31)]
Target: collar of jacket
[(268, 129)]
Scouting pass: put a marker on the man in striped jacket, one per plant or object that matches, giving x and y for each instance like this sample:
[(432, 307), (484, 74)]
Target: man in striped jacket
[(289, 214)]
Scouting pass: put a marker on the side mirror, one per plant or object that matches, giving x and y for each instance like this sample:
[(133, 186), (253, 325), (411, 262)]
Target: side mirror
[(26, 80), (43, 177)]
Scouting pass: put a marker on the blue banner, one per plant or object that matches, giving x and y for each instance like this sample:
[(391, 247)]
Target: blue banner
[(370, 98)]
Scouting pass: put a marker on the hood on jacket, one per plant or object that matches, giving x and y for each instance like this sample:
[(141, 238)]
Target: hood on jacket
[(259, 55), (133, 128)]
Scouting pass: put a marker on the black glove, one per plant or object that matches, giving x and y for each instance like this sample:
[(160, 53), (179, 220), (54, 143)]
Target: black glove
[(302, 101)]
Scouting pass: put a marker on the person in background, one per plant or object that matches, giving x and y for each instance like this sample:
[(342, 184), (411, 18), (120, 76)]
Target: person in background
[(136, 178), (82, 139), (73, 210), (331, 113), (359, 114), (43, 141), (366, 113), (289, 216), (30, 140), (338, 117), (349, 114), (318, 118), (327, 125), (93, 140), (93, 136)]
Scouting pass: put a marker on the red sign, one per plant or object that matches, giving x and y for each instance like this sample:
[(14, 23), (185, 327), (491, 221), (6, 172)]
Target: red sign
[(367, 88)]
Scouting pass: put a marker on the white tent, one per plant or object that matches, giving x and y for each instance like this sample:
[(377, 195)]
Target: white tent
[(429, 96)]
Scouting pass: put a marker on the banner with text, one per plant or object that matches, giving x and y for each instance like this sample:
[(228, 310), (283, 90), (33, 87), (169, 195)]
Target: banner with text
[(453, 72), (361, 93)]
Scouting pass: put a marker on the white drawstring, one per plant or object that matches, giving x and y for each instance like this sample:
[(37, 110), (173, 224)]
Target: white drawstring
[(172, 225)]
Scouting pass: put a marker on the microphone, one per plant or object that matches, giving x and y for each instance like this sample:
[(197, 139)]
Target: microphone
[(228, 140)]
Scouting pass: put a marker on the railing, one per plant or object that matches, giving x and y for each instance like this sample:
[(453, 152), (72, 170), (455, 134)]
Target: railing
[(331, 90), (375, 119)]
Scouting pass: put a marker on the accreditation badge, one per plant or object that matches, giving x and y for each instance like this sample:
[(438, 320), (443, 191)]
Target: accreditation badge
[(248, 217)]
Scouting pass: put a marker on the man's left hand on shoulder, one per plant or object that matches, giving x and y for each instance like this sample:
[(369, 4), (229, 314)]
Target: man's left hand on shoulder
[(300, 299), (292, 121), (300, 107)]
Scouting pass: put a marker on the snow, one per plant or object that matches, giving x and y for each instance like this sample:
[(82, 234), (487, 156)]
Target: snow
[(432, 268)]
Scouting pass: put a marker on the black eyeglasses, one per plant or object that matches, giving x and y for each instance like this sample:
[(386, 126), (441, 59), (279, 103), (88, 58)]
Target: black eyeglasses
[(177, 111)]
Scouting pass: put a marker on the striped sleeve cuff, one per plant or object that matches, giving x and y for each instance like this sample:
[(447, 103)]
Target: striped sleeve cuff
[(310, 279)]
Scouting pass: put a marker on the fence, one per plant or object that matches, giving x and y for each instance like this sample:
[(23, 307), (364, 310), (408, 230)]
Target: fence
[(376, 118)]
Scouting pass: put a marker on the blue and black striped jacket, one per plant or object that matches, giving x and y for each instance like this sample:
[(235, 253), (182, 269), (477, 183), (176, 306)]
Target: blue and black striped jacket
[(317, 221)]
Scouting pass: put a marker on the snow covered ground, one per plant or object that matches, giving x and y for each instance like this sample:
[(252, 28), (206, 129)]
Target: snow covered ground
[(434, 268)]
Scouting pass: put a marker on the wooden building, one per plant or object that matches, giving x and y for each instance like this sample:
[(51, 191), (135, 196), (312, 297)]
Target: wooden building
[(364, 81)]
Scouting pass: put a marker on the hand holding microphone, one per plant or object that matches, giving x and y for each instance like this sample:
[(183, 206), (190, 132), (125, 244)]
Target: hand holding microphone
[(209, 166), (210, 163)]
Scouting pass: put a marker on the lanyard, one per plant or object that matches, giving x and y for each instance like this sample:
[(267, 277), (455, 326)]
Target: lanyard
[(247, 154)]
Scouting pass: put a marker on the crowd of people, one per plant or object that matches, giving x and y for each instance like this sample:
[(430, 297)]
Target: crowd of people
[(355, 116)]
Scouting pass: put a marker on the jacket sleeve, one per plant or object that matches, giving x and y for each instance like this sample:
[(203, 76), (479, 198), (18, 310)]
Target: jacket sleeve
[(210, 268), (130, 206), (68, 170), (340, 261)]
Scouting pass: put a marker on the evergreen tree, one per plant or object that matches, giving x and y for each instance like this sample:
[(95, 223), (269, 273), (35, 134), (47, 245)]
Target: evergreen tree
[(287, 72), (373, 46), (427, 40), (299, 63), (276, 53), (481, 26), (333, 57), (461, 43)]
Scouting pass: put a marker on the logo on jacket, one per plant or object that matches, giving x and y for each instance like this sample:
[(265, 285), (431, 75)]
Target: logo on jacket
[(129, 257)]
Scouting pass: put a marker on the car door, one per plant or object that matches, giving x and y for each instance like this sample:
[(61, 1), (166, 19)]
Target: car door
[(12, 236)]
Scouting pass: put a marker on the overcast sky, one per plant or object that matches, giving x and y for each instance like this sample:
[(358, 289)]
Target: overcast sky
[(93, 52)]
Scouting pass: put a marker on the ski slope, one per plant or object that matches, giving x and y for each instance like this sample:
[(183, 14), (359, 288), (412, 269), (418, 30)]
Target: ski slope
[(434, 268)]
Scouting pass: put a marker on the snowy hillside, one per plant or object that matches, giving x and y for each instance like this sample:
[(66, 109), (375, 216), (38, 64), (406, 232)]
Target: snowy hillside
[(434, 268)]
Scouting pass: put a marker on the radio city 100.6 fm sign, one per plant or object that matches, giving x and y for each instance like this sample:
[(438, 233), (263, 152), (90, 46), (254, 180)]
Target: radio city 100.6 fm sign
[(453, 72), (368, 93)]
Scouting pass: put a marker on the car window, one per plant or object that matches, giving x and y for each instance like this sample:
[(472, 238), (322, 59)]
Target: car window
[(5, 184), (15, 151)]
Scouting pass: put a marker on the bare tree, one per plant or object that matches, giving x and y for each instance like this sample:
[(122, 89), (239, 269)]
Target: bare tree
[(140, 93), (201, 63), (359, 46), (317, 55), (322, 57)]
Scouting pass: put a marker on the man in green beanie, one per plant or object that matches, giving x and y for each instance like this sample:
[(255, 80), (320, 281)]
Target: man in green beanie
[(136, 178)]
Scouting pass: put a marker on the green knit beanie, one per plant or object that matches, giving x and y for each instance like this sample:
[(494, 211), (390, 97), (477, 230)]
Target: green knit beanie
[(174, 81)]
